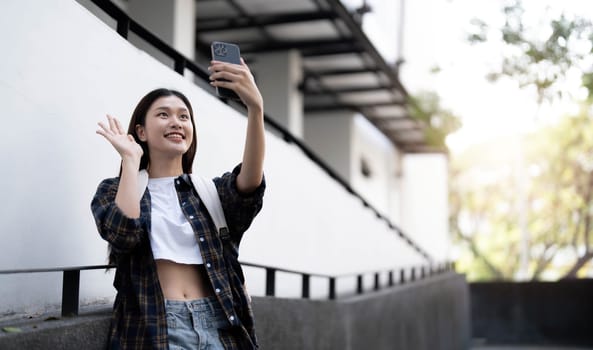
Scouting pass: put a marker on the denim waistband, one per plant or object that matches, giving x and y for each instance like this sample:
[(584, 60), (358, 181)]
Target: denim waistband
[(207, 304)]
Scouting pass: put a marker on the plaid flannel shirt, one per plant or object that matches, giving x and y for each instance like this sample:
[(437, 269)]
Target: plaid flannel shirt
[(139, 317)]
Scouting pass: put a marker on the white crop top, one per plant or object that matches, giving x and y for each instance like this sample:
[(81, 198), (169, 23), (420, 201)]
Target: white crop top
[(171, 235)]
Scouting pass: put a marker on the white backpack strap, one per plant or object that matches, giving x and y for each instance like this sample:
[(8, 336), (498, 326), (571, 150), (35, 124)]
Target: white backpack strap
[(209, 195), (142, 182)]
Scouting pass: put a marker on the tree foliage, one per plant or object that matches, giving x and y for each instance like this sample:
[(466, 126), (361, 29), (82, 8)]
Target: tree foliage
[(426, 106), (484, 216), (542, 56), (555, 162)]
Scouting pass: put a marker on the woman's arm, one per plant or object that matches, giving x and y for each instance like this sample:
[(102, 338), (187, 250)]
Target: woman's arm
[(252, 170), (121, 231), (127, 198), (240, 79)]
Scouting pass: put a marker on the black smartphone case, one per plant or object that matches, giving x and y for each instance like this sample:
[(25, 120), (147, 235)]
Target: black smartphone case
[(226, 52)]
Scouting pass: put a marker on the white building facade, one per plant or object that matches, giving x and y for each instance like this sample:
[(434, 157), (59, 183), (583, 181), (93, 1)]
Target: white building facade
[(67, 67)]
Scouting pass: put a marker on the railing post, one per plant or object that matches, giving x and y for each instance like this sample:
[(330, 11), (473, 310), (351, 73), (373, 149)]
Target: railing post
[(123, 27), (306, 287), (377, 283), (359, 287), (390, 279), (270, 281), (180, 65), (402, 276), (332, 288), (70, 292), (413, 274)]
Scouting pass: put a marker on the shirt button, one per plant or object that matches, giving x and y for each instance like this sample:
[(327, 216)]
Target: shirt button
[(191, 217), (177, 182), (208, 265), (202, 239), (232, 318), (217, 290), (183, 203)]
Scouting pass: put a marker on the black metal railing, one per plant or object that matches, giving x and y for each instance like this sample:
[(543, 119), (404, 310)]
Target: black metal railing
[(425, 272), (125, 25), (71, 280), (70, 283)]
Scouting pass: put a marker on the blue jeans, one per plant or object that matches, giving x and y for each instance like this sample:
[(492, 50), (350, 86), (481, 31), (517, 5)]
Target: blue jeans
[(194, 324)]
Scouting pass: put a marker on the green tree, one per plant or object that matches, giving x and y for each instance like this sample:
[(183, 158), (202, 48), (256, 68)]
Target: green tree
[(487, 218), (562, 192), (482, 214), (560, 201)]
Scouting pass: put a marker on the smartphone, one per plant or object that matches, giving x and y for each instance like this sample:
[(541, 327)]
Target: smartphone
[(226, 52)]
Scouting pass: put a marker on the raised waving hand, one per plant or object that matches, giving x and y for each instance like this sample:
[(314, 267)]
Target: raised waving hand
[(127, 198), (123, 142)]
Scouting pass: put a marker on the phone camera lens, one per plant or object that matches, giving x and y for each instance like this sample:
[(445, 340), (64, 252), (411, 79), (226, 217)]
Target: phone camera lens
[(220, 50)]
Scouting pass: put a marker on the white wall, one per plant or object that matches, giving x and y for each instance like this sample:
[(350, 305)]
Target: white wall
[(343, 139), (425, 197), (64, 70), (330, 135), (278, 75), (173, 21), (381, 188)]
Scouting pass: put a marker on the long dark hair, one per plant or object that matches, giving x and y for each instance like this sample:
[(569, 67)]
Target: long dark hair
[(139, 118)]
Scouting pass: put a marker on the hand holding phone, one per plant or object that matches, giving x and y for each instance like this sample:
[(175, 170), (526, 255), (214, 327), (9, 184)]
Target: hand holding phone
[(226, 52)]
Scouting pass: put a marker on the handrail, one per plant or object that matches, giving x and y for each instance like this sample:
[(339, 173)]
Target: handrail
[(70, 284), (56, 269), (125, 24), (71, 280)]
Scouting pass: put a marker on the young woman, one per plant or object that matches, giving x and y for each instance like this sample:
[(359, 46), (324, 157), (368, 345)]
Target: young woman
[(179, 284)]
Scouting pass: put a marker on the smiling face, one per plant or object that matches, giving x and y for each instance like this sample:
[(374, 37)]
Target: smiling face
[(168, 128)]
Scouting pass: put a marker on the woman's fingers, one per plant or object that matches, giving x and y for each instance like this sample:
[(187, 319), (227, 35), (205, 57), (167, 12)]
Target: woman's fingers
[(239, 79), (112, 124), (217, 66), (123, 142), (101, 132), (110, 129), (225, 75), (120, 128), (104, 129)]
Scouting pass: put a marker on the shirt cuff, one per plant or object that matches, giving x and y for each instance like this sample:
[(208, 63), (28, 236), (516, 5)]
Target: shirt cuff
[(258, 192)]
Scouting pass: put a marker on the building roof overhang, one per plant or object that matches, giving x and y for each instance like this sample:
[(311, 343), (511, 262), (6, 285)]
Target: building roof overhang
[(342, 69)]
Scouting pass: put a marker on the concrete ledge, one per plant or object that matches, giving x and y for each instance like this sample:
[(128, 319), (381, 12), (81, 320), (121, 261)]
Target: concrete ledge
[(431, 314), (83, 332), (300, 324)]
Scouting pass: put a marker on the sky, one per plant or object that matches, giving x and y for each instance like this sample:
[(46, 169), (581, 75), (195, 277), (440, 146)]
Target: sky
[(434, 36)]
